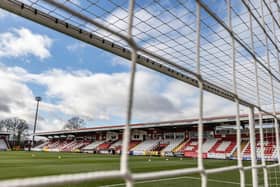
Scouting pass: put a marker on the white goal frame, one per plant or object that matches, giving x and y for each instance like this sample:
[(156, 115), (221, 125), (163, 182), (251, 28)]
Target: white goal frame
[(139, 55)]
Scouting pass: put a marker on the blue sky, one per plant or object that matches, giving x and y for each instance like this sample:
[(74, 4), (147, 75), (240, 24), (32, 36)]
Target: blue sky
[(74, 78)]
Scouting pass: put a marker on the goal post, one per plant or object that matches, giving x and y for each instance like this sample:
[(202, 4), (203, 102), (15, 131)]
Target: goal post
[(231, 51)]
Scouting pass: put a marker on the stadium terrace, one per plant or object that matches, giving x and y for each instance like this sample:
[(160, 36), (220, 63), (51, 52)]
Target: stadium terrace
[(169, 138)]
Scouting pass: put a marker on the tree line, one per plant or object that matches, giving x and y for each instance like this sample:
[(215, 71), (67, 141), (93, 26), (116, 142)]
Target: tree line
[(19, 127)]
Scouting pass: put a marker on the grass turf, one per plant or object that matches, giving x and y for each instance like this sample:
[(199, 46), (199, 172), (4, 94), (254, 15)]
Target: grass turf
[(23, 164)]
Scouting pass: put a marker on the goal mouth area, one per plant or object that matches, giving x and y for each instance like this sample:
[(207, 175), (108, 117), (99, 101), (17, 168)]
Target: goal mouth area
[(230, 51)]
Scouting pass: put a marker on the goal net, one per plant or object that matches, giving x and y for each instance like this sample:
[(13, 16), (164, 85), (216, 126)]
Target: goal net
[(228, 48)]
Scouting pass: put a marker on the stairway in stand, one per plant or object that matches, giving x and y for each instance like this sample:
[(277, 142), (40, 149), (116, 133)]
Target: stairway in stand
[(243, 145)]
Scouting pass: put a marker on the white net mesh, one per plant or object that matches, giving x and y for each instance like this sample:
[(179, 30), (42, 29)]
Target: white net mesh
[(268, 176), (230, 50)]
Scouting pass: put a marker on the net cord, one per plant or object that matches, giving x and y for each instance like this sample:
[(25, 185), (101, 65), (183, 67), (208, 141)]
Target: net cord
[(271, 79), (265, 173), (200, 107), (126, 136), (238, 127)]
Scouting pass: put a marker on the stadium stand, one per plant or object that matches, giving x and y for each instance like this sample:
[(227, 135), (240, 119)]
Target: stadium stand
[(160, 146), (223, 148), (212, 148), (133, 144), (219, 142), (147, 145), (55, 145), (190, 148), (75, 145), (69, 145), (40, 146), (90, 148), (172, 144), (116, 145), (61, 145), (43, 144), (216, 148), (52, 144), (115, 148), (105, 145), (181, 147), (269, 150), (208, 144)]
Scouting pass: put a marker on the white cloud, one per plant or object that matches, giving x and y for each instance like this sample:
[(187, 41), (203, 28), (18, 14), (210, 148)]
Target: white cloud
[(23, 42), (17, 100), (103, 96), (15, 97), (100, 97)]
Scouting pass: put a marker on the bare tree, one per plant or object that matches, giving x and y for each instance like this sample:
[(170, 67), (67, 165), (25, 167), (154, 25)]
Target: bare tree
[(74, 123), (16, 126)]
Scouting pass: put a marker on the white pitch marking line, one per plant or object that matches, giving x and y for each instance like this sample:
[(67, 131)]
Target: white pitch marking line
[(175, 178)]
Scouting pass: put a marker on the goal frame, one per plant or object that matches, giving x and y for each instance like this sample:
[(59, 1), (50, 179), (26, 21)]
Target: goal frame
[(167, 67)]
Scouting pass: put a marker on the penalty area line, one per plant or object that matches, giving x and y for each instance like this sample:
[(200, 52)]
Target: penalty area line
[(176, 178)]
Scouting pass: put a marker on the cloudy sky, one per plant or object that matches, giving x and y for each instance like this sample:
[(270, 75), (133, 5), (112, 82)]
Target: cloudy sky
[(75, 79)]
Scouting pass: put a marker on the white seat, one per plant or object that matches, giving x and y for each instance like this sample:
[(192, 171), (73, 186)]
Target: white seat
[(93, 145), (146, 145)]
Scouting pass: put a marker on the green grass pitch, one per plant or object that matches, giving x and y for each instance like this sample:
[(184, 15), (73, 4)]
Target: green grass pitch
[(31, 164)]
